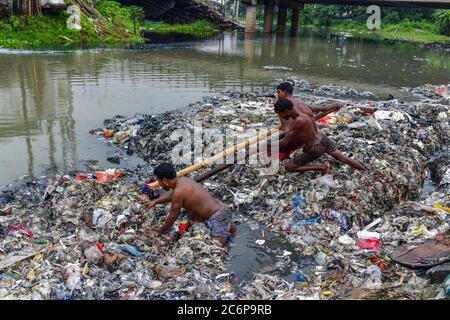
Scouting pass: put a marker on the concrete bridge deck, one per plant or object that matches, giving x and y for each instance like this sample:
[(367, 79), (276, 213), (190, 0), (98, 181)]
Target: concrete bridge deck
[(395, 3)]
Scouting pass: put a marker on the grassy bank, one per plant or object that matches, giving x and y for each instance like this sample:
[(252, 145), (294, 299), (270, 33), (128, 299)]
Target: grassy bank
[(114, 24), (198, 28), (405, 31), (422, 31)]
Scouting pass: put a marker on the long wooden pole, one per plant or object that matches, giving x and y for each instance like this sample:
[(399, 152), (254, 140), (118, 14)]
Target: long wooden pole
[(224, 153), (233, 150)]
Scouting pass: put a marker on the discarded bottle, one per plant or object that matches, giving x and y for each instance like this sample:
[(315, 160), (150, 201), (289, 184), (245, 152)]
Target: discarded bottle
[(59, 292), (340, 218), (40, 241)]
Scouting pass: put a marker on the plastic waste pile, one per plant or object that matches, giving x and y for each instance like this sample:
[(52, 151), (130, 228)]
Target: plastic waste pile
[(89, 239), (361, 209), (327, 90)]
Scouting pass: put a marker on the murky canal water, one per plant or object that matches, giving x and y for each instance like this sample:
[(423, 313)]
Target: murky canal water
[(50, 100)]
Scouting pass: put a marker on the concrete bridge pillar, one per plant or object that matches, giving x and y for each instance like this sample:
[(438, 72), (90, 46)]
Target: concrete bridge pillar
[(281, 23), (268, 16), (250, 24), (295, 23), (249, 46), (266, 48)]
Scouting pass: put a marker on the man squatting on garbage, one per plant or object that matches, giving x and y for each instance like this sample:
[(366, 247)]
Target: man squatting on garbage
[(303, 128), (285, 90), (188, 194)]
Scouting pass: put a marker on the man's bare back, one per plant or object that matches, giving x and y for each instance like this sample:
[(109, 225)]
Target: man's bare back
[(195, 199), (188, 194), (300, 107), (304, 129)]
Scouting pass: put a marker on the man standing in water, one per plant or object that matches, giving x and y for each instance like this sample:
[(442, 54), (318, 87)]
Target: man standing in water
[(188, 194), (303, 128)]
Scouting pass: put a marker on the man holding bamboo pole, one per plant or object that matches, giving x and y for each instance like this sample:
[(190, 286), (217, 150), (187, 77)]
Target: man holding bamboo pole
[(316, 144), (188, 194)]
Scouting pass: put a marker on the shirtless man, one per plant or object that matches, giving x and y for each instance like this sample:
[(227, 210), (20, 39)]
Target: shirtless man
[(188, 194), (285, 91), (316, 144)]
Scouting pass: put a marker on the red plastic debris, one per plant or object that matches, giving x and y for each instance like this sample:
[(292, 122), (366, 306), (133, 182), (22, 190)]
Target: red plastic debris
[(81, 177), (21, 227), (371, 243), (100, 246), (17, 226), (441, 89), (183, 226), (325, 120), (108, 175), (27, 232), (107, 133), (377, 261)]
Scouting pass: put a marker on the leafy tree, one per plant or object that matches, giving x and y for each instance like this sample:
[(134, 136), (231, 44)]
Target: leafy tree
[(442, 21)]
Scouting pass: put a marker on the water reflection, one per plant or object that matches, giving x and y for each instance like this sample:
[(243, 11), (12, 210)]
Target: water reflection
[(48, 102), (35, 103)]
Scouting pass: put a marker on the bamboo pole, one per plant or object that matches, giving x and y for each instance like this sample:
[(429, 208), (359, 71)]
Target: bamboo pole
[(234, 149), (223, 154), (213, 172)]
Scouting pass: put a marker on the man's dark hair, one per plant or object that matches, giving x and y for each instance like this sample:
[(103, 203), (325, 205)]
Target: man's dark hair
[(286, 86), (283, 105), (165, 170)]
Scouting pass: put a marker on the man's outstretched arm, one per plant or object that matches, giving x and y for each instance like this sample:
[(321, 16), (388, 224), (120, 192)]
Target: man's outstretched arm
[(283, 140), (175, 209), (325, 107), (165, 198)]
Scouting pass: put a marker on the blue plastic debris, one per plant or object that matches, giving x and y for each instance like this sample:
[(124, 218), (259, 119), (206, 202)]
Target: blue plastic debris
[(127, 248), (299, 277), (297, 212)]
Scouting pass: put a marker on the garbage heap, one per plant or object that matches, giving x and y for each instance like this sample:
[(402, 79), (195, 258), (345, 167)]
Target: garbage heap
[(395, 143), (85, 238)]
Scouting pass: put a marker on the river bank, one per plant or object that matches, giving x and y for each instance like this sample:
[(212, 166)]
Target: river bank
[(105, 24), (81, 239), (420, 32), (197, 29), (112, 24)]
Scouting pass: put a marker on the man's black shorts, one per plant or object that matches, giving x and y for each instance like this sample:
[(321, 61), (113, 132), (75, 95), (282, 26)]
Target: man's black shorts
[(313, 152)]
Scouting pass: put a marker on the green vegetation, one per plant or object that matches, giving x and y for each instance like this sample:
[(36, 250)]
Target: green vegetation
[(423, 31), (198, 28), (442, 20), (105, 23), (418, 25), (113, 25)]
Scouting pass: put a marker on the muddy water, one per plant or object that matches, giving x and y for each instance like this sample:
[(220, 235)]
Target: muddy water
[(257, 249), (49, 100)]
